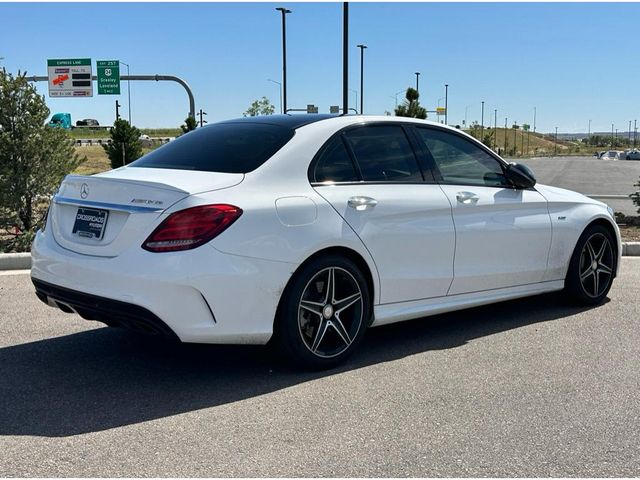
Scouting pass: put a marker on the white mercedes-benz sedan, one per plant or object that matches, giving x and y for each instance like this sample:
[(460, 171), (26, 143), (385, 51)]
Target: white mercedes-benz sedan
[(306, 230)]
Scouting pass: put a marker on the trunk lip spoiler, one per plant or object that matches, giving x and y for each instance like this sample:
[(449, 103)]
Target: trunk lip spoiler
[(108, 206)]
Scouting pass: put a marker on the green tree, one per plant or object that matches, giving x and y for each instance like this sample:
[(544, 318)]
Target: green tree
[(260, 107), (34, 158), (411, 107), (125, 146), (488, 138), (189, 124)]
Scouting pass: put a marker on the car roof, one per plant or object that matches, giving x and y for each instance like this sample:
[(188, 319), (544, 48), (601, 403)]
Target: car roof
[(288, 121), (301, 120)]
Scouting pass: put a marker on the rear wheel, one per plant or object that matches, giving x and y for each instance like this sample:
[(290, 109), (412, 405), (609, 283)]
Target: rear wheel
[(324, 313), (592, 266)]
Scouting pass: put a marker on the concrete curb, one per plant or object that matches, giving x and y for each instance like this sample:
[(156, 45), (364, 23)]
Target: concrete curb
[(631, 249), (22, 261), (15, 261)]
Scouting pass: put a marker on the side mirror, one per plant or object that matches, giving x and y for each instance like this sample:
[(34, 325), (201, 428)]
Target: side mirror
[(520, 175)]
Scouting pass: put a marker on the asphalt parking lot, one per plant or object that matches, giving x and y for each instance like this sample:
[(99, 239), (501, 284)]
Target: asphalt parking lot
[(531, 387), (590, 176)]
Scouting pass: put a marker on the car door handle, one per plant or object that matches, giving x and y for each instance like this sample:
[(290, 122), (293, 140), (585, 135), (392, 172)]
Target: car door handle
[(467, 198), (362, 203)]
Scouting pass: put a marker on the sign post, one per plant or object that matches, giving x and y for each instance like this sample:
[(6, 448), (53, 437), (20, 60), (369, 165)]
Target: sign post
[(108, 77), (70, 77)]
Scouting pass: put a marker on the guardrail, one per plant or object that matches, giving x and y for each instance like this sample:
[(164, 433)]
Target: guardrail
[(90, 142)]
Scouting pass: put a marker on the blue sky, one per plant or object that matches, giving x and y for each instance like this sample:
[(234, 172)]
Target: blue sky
[(573, 61)]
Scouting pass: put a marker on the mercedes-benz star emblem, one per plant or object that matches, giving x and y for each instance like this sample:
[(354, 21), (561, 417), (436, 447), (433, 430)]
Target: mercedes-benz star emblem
[(84, 190)]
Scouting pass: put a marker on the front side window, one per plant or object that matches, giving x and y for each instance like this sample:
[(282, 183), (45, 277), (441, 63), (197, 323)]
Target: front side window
[(384, 154), (334, 164), (226, 148), (460, 161)]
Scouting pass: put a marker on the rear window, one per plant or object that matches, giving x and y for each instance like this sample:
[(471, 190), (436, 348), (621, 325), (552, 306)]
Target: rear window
[(226, 148)]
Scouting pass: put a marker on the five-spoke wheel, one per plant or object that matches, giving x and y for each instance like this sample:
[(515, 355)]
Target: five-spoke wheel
[(324, 312), (592, 266)]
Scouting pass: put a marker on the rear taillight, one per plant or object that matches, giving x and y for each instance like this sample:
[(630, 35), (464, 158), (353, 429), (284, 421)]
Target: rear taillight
[(191, 227)]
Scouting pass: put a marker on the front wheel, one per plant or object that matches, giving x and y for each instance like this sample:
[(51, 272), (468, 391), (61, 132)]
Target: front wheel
[(592, 266), (324, 313)]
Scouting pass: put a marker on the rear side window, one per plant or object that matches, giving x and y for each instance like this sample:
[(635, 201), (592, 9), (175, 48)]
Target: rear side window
[(226, 148), (335, 165), (384, 154)]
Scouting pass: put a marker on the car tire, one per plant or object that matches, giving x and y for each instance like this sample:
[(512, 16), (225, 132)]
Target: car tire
[(592, 266), (323, 314)]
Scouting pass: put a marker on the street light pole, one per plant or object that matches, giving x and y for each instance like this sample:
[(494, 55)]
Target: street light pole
[(128, 90), (505, 135), (284, 12), (635, 132), (270, 80), (446, 103), (555, 147), (482, 122), (534, 119), (356, 104), (395, 95), (345, 57), (361, 47), (589, 133), (612, 135), (417, 82), (495, 127), (629, 132)]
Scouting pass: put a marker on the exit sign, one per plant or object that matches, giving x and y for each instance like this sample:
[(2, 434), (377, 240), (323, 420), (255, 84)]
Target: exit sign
[(108, 77)]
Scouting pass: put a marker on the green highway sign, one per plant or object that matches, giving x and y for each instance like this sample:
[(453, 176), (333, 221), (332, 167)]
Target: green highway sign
[(108, 77)]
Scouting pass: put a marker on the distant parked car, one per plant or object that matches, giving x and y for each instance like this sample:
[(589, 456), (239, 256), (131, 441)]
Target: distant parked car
[(146, 140), (610, 155), (632, 155)]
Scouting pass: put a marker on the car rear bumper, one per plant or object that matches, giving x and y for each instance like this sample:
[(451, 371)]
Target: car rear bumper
[(201, 295), (105, 310)]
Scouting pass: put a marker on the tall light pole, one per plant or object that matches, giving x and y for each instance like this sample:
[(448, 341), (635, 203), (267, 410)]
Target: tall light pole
[(356, 104), (495, 128), (589, 133), (345, 57), (629, 132), (284, 12), (465, 115), (635, 132), (482, 122), (280, 89), (418, 82), (612, 136), (534, 119), (555, 147), (128, 90), (395, 95), (505, 135), (361, 47), (446, 102)]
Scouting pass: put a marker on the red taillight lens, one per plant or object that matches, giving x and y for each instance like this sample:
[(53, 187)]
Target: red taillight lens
[(191, 227)]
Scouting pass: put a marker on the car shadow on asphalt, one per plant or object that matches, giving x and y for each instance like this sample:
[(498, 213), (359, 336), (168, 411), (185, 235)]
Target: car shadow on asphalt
[(106, 378)]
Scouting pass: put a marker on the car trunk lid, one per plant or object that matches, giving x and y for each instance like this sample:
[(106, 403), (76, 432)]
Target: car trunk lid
[(103, 214)]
